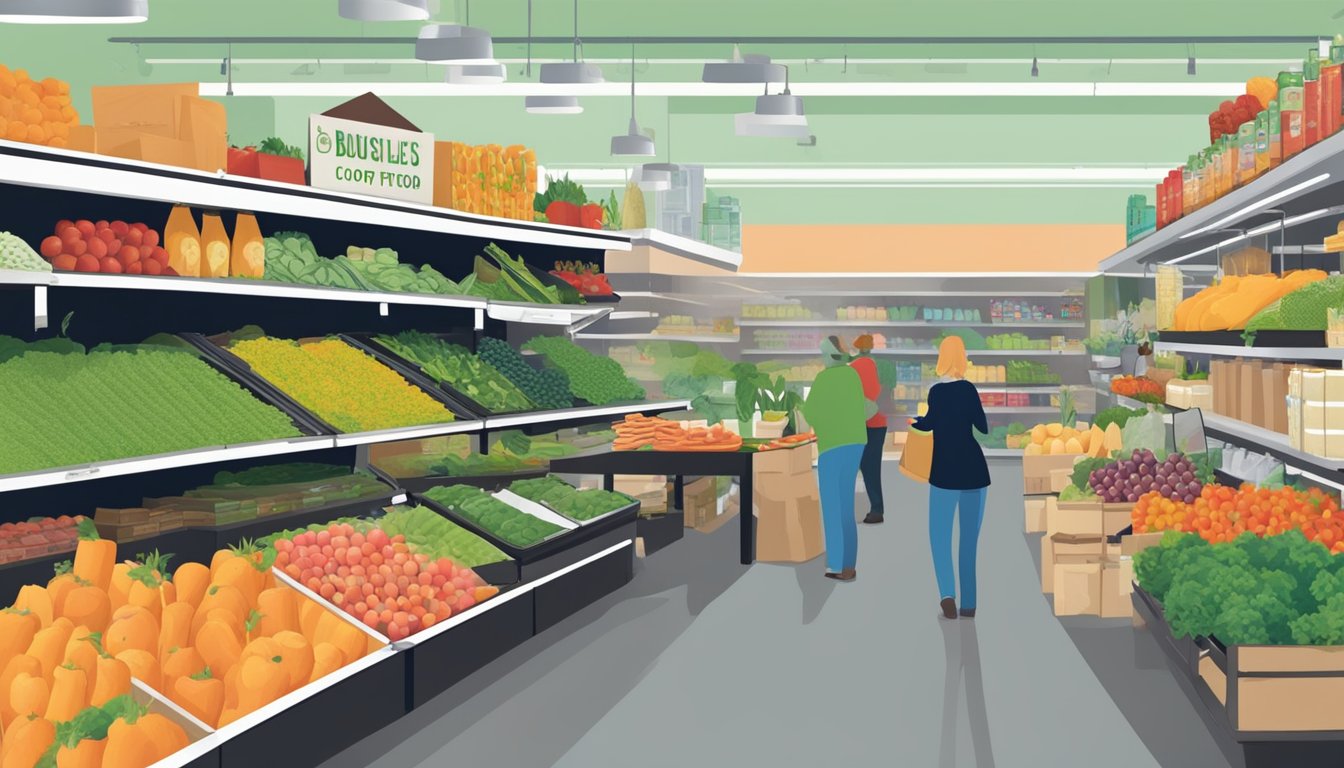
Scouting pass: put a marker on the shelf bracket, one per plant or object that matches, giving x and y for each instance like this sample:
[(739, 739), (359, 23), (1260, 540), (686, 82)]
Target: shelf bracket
[(579, 325), (39, 307), (478, 319)]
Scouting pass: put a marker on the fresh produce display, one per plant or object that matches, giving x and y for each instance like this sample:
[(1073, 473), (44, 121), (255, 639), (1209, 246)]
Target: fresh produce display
[(637, 431), (1127, 480), (35, 111), (512, 453), (512, 526), (340, 384), (220, 640), (114, 732), (382, 270), (282, 474), (37, 537), (1029, 372), (998, 436), (1230, 115), (1057, 439), (577, 505), (1220, 514), (377, 579), (1277, 590), (510, 279), (457, 367), (292, 258), (791, 441), (434, 535), (490, 180), (1233, 301), (587, 279), (599, 380), (671, 436), (61, 423), (112, 247), (1137, 387), (565, 202), (1118, 415), (1302, 310), (548, 387), (16, 254)]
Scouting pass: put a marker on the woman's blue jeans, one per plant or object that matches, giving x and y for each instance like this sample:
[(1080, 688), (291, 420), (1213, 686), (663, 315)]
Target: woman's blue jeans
[(837, 471), (943, 506)]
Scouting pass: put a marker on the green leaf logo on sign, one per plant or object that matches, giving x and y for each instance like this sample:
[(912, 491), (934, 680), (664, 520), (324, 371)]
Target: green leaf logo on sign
[(323, 141)]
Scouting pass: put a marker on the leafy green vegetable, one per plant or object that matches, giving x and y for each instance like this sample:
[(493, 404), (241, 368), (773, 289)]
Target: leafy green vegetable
[(562, 189), (457, 367), (597, 379), (1117, 414), (1083, 470), (277, 146)]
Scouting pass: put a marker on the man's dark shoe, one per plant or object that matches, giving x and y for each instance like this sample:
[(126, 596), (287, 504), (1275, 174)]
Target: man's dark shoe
[(949, 608), (873, 518)]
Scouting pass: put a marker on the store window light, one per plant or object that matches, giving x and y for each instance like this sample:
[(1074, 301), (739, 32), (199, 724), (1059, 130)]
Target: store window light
[(74, 11)]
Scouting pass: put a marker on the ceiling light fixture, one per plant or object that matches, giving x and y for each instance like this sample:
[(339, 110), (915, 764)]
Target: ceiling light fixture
[(752, 68), (1035, 67), (553, 105), (384, 10), (74, 11), (1190, 66), (633, 143), (475, 74), (779, 116), (572, 72), (455, 43)]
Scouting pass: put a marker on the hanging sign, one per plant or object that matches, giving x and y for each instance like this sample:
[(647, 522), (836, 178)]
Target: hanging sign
[(350, 156)]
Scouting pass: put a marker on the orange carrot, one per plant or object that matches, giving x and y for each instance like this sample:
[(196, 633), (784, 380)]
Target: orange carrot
[(94, 557), (128, 746), (48, 645), (132, 627), (221, 616), (176, 628), (222, 596), (192, 579), (260, 681), (327, 658), (218, 645), (80, 651), (59, 587), (69, 693), (16, 633), (19, 665), (112, 679), (331, 628), (143, 666), (89, 606), (181, 662), (88, 753), (239, 572), (120, 586), (28, 696), (202, 696), (26, 741), (36, 600), (279, 611), (168, 737), (297, 653)]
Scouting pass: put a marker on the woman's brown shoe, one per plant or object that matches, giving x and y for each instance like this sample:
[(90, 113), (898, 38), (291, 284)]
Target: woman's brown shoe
[(849, 574), (949, 608)]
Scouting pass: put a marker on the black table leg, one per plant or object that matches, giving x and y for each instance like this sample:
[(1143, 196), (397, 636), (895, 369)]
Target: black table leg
[(748, 518), (609, 482), (679, 493)]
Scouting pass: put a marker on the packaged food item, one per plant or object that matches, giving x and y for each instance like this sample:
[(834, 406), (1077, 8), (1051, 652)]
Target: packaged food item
[(1275, 130), (1262, 142), (214, 246), (1311, 97), (1245, 152), (249, 248), (1291, 113), (1189, 185), (183, 241)]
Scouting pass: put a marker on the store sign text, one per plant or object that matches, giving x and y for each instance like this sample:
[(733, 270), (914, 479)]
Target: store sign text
[(359, 157)]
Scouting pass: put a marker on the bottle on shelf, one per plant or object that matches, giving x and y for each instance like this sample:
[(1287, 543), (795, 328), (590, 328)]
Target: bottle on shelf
[(215, 246), (183, 242), (249, 249)]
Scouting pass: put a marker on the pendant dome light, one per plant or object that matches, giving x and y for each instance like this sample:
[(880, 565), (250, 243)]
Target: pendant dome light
[(455, 43), (475, 74), (553, 105), (656, 177), (572, 72), (74, 11), (752, 68), (384, 10), (633, 143), (777, 115)]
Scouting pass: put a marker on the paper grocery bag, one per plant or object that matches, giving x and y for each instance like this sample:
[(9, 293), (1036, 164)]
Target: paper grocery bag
[(917, 456)]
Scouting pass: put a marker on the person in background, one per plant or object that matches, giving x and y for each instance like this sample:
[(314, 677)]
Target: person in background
[(877, 385), (836, 410), (958, 475)]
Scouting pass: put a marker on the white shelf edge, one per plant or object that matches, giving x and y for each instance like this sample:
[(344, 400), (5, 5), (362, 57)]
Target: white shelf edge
[(1271, 353), (31, 165), (706, 339), (256, 288), (686, 248), (25, 277), (408, 433), (543, 417), (934, 324), (141, 464), (544, 314)]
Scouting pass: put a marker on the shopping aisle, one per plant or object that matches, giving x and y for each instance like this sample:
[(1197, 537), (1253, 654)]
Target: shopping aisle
[(702, 662)]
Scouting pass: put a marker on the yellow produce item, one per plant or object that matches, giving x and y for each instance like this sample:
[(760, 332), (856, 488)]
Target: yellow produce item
[(249, 249), (182, 240), (1235, 300), (1264, 89), (35, 111), (214, 246), (345, 387), (632, 208)]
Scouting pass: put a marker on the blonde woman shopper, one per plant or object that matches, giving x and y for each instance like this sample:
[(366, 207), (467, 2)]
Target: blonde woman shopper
[(958, 476)]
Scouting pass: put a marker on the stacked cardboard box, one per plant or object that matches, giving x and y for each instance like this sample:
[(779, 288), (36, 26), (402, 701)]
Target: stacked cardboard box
[(1043, 474), (167, 124), (1316, 411), (1252, 391), (700, 502), (122, 525), (788, 506), (649, 490), (1087, 576)]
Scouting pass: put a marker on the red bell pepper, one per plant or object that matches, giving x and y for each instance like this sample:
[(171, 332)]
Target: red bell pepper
[(563, 213), (590, 216)]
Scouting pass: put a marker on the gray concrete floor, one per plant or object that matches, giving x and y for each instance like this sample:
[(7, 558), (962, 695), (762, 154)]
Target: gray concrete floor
[(703, 662)]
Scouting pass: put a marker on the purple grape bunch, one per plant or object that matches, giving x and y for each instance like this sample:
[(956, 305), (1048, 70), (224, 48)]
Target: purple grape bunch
[(1128, 479)]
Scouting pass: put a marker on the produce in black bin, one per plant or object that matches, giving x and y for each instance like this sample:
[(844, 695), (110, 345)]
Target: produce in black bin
[(511, 526), (599, 380), (547, 387), (577, 505), (455, 366)]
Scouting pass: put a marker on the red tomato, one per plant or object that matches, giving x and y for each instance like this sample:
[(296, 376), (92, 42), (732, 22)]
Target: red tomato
[(64, 262), (77, 248), (152, 267), (97, 248), (85, 227), (150, 238), (120, 227), (87, 263), (62, 224), (111, 266), (51, 247), (136, 268), (128, 255)]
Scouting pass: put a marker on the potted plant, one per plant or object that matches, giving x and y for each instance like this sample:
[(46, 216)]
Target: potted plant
[(776, 403)]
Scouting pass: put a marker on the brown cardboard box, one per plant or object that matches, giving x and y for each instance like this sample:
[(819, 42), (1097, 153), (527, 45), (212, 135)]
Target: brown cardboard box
[(700, 500), (1117, 584), (1077, 518), (1060, 479), (789, 531), (1077, 589), (141, 109), (1116, 517), (1275, 394), (1035, 513), (121, 516), (149, 148), (784, 461), (204, 124), (1067, 549), (1251, 393), (82, 138), (1135, 543), (1036, 477)]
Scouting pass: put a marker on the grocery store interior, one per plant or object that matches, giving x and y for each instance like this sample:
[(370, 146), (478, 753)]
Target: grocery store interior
[(403, 383)]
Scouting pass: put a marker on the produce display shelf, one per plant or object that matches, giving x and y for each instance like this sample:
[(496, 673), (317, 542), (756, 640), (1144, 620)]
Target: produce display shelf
[(461, 403), (490, 482), (18, 277), (1310, 249), (686, 248), (1024, 409), (935, 324), (1002, 453), (545, 314), (1265, 441), (1234, 340), (1317, 353), (239, 287), (568, 590), (973, 353), (660, 530), (877, 294), (589, 414), (1301, 178), (159, 462), (33, 166), (462, 426), (713, 338), (1018, 389)]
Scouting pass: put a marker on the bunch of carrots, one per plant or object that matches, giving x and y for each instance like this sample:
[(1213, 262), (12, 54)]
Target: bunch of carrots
[(220, 641), (713, 439), (792, 441)]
